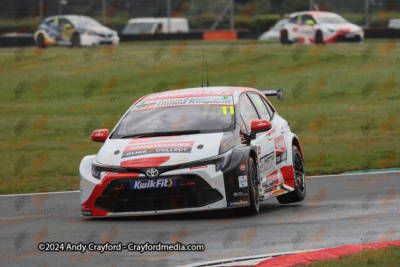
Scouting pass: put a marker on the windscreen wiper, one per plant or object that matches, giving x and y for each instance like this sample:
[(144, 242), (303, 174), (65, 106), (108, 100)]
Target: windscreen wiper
[(161, 134)]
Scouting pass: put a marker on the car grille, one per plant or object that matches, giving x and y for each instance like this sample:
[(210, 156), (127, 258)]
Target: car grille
[(343, 38), (105, 42), (105, 35), (191, 191)]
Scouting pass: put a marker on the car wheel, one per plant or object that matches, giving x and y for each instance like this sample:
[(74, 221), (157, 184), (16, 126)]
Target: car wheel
[(40, 41), (299, 180), (319, 39), (284, 37), (254, 207), (75, 40)]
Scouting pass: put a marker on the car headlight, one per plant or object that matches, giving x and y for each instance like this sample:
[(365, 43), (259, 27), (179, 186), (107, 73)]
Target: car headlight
[(227, 142), (98, 169)]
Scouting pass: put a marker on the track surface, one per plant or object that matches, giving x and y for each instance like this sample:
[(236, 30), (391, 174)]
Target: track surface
[(338, 210)]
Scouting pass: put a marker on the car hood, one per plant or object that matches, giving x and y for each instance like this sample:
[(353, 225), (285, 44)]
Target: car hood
[(158, 151), (99, 29), (347, 27)]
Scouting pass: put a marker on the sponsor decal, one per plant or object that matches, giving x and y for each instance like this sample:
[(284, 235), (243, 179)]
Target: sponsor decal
[(242, 181), (86, 213), (259, 150), (198, 167), (188, 93), (238, 203), (218, 166), (212, 100), (242, 167), (278, 192), (281, 157), (280, 143), (238, 194), (266, 162), (154, 148), (155, 183)]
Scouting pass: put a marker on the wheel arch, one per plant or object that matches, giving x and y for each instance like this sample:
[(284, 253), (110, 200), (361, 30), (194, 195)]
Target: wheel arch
[(296, 142)]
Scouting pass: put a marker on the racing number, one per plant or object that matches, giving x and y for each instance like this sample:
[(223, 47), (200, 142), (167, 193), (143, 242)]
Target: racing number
[(225, 110)]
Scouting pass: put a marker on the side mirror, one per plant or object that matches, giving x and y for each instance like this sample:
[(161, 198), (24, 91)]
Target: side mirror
[(258, 126), (100, 135)]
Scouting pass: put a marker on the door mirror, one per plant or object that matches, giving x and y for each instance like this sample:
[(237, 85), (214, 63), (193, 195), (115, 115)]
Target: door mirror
[(100, 135), (258, 126)]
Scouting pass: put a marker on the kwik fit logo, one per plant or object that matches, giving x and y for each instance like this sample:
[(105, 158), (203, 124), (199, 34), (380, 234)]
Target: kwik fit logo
[(155, 183)]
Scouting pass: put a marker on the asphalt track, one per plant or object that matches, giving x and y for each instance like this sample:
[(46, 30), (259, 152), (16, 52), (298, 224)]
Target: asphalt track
[(338, 210)]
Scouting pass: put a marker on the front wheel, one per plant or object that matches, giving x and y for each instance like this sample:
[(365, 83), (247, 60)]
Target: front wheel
[(299, 181), (254, 207), (75, 40), (319, 38)]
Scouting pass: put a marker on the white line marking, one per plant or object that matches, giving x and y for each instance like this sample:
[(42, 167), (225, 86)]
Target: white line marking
[(237, 260)]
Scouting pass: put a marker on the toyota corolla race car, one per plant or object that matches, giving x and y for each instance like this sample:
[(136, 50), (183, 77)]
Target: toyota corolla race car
[(74, 30), (193, 150), (319, 27)]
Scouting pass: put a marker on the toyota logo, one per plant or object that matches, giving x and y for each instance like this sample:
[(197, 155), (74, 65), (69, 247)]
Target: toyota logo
[(152, 172)]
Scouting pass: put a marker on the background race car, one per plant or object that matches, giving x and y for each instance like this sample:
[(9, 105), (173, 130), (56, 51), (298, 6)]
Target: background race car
[(74, 30), (192, 150), (319, 27)]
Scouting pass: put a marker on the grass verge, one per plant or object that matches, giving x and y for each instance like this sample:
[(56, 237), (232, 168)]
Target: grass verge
[(341, 100)]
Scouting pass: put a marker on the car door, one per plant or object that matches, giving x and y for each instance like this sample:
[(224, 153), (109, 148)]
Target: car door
[(66, 29), (270, 151), (51, 28), (307, 25)]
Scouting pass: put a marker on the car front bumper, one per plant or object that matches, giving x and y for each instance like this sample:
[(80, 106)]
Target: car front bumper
[(113, 195)]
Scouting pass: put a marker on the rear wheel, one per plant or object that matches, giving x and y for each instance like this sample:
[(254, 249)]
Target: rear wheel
[(40, 41), (299, 181)]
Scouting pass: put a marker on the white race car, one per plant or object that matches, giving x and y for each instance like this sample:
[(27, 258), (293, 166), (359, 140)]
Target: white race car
[(319, 27), (193, 150), (73, 30)]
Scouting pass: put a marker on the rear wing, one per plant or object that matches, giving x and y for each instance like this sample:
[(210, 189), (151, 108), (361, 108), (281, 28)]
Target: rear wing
[(277, 92)]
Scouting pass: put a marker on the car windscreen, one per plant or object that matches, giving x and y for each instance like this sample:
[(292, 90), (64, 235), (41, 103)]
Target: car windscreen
[(202, 118), (138, 28), (83, 22), (331, 19), (279, 25)]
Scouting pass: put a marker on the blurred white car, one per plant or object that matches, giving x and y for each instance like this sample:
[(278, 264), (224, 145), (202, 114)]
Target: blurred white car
[(152, 26), (274, 33), (319, 27), (74, 30)]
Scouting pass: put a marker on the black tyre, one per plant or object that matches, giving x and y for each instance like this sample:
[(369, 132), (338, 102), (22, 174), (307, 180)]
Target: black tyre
[(75, 40), (284, 37), (40, 41), (319, 39), (254, 207), (299, 181), (253, 183)]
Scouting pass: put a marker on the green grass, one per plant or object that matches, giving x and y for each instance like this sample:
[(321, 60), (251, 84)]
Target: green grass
[(383, 257), (46, 156)]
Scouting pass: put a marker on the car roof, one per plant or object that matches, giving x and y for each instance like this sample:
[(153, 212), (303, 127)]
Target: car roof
[(65, 16), (199, 91), (312, 13)]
